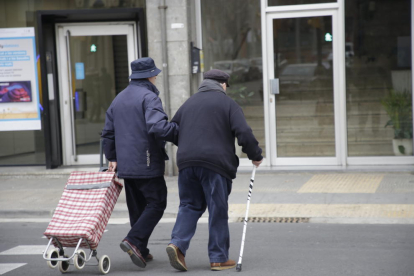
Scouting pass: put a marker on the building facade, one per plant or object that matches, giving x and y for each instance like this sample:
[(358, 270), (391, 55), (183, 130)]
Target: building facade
[(321, 82)]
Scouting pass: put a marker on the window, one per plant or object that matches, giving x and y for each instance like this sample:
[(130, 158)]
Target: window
[(378, 77)]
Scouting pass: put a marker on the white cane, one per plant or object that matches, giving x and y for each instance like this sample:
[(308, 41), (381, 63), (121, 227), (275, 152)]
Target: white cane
[(239, 263)]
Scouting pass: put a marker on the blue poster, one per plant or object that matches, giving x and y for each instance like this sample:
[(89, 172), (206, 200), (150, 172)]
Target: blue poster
[(80, 70), (19, 93)]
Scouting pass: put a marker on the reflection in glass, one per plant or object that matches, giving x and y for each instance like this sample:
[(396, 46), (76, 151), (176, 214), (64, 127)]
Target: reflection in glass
[(296, 2), (236, 49), (304, 108), (99, 70), (378, 78), (22, 148)]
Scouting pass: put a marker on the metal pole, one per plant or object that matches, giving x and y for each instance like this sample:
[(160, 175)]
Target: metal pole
[(162, 7), (71, 98), (199, 33)]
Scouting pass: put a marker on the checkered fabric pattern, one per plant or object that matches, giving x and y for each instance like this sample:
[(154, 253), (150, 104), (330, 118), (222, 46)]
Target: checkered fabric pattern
[(84, 213)]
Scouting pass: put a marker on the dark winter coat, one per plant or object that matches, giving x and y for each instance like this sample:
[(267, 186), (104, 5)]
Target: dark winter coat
[(135, 129), (209, 122)]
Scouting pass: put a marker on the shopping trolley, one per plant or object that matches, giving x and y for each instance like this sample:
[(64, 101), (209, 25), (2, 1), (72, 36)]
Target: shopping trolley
[(80, 219)]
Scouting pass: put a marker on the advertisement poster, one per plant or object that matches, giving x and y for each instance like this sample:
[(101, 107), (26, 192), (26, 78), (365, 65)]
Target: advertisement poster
[(19, 94)]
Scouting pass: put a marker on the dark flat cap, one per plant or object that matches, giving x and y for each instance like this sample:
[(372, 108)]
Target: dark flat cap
[(217, 75)]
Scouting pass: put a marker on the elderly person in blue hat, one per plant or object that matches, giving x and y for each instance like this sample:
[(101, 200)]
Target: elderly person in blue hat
[(136, 128)]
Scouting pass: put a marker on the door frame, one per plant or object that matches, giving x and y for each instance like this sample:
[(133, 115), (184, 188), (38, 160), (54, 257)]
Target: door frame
[(84, 29), (335, 10)]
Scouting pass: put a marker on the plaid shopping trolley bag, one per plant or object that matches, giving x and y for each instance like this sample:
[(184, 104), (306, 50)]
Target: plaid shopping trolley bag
[(80, 219)]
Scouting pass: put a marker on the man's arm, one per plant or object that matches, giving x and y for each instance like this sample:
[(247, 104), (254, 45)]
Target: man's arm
[(157, 122), (108, 135), (245, 137)]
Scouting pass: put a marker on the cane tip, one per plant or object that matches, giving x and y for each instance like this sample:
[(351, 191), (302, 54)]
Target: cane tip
[(238, 267)]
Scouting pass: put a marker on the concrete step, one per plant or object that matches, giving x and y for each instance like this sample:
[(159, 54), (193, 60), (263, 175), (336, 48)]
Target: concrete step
[(315, 108), (327, 135), (308, 122), (305, 125), (315, 149), (373, 148), (355, 94), (315, 143), (370, 121)]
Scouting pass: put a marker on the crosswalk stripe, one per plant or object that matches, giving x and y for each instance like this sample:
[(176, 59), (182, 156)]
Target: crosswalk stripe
[(4, 268), (118, 221), (25, 250), (36, 220)]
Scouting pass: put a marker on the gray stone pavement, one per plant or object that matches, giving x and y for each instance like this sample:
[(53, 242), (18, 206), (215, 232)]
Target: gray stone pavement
[(364, 195)]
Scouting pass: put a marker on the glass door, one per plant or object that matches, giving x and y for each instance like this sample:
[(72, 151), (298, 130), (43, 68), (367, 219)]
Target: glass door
[(94, 66), (303, 88)]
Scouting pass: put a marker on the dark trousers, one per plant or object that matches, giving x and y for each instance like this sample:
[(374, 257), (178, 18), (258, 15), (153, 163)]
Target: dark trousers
[(146, 200), (200, 188)]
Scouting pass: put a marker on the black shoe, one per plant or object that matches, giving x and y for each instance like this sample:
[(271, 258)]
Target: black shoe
[(133, 252)]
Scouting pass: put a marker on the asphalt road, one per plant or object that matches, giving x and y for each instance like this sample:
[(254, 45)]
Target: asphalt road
[(271, 249)]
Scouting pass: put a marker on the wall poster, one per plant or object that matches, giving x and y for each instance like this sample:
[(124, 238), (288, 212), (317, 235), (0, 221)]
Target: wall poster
[(19, 93)]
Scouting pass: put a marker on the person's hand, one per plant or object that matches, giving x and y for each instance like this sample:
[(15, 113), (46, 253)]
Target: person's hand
[(257, 163), (112, 166)]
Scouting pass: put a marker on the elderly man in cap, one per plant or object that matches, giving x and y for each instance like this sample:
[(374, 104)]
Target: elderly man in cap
[(134, 135), (209, 122)]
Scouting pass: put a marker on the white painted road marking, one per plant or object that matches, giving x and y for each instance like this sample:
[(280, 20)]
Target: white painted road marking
[(118, 221), (37, 220), (4, 268), (25, 250)]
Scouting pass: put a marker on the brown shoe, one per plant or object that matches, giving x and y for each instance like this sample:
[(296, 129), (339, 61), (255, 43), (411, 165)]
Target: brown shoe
[(222, 266), (149, 257), (176, 257), (133, 252)]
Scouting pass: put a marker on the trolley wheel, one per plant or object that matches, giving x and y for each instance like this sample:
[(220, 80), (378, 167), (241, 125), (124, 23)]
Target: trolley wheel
[(104, 264), (78, 261), (64, 265), (53, 254)]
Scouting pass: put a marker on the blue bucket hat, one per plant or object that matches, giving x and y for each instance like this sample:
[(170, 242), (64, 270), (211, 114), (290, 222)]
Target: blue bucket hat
[(144, 68)]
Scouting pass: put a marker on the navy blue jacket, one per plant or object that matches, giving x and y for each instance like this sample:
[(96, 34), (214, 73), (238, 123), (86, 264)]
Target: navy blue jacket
[(135, 131), (209, 122)]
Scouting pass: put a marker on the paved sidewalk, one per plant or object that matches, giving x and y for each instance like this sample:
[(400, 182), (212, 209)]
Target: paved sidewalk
[(358, 196)]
